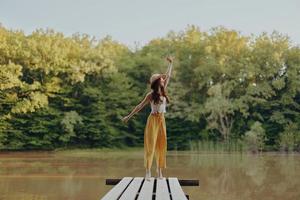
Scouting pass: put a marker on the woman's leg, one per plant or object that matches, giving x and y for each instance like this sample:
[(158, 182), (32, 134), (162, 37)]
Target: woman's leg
[(150, 138), (161, 148), (148, 174)]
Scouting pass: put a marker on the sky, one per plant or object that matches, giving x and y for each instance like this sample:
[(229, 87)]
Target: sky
[(133, 22)]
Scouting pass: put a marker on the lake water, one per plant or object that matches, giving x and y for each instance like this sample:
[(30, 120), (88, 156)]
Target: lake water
[(80, 175)]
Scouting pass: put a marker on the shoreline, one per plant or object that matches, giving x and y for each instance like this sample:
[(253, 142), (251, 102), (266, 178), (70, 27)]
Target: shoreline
[(135, 149)]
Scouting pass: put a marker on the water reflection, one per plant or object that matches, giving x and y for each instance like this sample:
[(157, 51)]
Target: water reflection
[(81, 175)]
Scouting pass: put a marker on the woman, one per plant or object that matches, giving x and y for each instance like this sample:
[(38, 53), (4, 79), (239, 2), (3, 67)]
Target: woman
[(155, 135)]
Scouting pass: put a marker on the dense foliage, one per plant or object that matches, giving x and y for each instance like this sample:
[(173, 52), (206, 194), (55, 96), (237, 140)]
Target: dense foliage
[(58, 91)]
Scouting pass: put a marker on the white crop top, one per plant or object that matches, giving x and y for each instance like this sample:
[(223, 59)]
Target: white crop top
[(161, 107)]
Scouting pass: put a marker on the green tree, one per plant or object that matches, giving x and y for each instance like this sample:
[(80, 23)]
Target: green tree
[(255, 138)]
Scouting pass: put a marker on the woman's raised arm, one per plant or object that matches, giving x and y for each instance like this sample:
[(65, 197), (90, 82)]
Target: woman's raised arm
[(169, 70)]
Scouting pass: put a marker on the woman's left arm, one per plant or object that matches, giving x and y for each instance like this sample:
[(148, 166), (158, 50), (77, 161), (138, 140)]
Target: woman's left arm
[(169, 70)]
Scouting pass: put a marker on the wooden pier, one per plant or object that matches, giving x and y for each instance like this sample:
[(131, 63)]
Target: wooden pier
[(132, 188)]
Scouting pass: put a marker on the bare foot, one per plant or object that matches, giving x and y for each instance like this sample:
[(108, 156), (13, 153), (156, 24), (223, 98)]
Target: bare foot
[(159, 173), (148, 175)]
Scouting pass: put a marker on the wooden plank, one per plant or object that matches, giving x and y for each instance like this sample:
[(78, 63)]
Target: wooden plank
[(162, 191), (182, 182), (147, 190), (117, 190), (188, 182), (176, 190), (132, 190)]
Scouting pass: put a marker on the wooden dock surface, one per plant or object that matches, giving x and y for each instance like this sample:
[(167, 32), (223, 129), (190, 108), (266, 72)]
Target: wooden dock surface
[(131, 188)]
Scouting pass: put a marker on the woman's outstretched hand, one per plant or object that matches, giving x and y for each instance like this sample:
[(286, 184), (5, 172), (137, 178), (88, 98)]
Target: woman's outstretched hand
[(170, 59), (125, 119)]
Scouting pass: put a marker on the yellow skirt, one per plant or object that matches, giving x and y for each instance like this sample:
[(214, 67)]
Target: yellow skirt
[(155, 140)]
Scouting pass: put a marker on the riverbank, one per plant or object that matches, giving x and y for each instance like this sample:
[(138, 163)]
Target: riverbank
[(82, 151)]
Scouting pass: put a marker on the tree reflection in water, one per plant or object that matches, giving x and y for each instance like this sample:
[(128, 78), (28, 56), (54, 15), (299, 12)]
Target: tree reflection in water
[(81, 175)]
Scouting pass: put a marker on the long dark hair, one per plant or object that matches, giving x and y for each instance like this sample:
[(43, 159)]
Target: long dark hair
[(155, 96)]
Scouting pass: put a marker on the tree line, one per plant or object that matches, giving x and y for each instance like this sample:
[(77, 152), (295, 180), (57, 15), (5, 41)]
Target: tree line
[(58, 91)]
